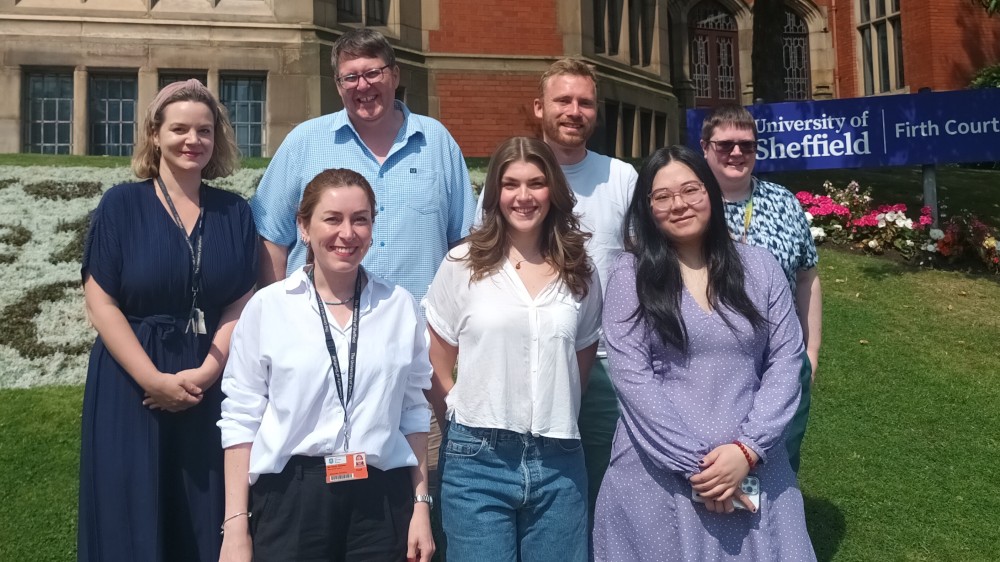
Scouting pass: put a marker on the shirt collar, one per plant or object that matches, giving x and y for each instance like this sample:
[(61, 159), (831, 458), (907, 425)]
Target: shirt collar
[(342, 125), (298, 284)]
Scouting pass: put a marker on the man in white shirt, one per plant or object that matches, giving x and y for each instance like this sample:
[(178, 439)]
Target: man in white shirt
[(567, 108)]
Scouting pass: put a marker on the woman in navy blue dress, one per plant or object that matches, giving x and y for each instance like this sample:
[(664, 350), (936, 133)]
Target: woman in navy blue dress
[(168, 265)]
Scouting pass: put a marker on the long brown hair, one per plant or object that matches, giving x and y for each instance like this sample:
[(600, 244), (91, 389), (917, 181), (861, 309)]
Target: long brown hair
[(562, 242), (225, 153)]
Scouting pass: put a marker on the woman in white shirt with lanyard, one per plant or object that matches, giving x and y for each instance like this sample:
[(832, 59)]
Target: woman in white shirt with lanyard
[(520, 302), (325, 416)]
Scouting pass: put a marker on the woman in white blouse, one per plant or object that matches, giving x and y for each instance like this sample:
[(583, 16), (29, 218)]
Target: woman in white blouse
[(521, 304), (325, 421)]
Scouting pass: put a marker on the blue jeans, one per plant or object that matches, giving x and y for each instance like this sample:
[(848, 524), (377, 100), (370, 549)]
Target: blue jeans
[(508, 496)]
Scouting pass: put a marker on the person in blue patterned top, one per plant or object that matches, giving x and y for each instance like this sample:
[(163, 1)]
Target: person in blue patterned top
[(425, 199), (765, 214)]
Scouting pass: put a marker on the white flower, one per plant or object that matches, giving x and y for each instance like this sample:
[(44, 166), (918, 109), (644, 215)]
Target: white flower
[(904, 222), (881, 222), (909, 243), (929, 247), (809, 217), (818, 233), (838, 227), (61, 321), (936, 233), (890, 216), (872, 244)]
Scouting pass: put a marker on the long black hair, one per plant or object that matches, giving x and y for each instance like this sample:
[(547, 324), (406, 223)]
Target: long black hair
[(658, 275)]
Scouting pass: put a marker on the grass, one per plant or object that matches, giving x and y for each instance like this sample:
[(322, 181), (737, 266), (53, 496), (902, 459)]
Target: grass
[(899, 462), (40, 456)]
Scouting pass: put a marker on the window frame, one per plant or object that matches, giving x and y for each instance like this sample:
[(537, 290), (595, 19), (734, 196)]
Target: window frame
[(126, 128), (61, 105), (879, 48), (247, 148)]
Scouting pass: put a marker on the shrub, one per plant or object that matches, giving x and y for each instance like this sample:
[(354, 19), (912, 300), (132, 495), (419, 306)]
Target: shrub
[(56, 190), (987, 77), (845, 216)]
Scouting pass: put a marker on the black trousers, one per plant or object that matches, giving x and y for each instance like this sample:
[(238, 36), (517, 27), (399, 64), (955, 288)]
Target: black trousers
[(298, 517)]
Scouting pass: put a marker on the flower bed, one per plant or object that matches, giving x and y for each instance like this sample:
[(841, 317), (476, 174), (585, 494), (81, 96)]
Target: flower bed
[(844, 216), (45, 336)]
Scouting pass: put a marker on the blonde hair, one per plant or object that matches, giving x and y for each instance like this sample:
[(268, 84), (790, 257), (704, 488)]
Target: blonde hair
[(567, 66), (225, 154)]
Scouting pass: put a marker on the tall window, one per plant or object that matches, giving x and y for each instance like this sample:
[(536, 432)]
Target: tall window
[(714, 55), (112, 114), (618, 130), (367, 12), (881, 46), (48, 112), (243, 97), (795, 54), (640, 20)]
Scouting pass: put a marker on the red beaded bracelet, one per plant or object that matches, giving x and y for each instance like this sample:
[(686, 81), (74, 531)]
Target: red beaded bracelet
[(746, 453)]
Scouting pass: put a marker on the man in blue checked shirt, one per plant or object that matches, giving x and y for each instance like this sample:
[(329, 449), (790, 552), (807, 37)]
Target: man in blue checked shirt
[(425, 199)]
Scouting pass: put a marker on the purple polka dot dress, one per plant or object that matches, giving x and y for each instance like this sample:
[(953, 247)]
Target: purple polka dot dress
[(733, 384)]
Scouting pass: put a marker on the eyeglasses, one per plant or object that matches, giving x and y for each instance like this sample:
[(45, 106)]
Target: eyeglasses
[(351, 81), (691, 193), (748, 147)]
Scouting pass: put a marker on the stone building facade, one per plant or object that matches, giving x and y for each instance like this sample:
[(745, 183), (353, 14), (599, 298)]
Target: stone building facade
[(76, 74)]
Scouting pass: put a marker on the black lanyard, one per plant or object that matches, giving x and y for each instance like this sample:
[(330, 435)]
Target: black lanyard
[(352, 353), (195, 251)]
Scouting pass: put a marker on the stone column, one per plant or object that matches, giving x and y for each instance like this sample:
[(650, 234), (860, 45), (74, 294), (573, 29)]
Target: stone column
[(213, 81), (81, 124), (10, 109), (148, 80)]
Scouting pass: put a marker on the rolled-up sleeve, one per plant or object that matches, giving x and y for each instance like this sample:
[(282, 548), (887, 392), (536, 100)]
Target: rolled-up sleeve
[(245, 380), (441, 305)]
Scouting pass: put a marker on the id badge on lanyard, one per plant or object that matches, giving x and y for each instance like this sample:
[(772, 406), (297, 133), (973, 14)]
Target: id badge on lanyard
[(349, 465)]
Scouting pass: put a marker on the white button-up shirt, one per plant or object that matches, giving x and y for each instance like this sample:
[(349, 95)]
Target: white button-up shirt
[(279, 383), (517, 367)]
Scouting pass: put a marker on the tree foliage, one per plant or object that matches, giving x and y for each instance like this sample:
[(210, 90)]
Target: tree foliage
[(991, 6), (766, 57)]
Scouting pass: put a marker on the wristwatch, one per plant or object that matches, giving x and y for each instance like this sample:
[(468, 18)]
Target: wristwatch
[(425, 498)]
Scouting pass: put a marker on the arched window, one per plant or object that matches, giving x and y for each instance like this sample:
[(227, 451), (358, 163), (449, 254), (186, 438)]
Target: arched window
[(795, 54), (714, 55)]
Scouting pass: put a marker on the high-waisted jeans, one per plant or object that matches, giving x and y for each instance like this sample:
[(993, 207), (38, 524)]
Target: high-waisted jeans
[(508, 496)]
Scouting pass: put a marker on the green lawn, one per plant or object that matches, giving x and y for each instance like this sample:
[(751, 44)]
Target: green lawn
[(900, 462)]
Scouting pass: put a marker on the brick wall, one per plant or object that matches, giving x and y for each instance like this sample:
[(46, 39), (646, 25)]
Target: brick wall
[(497, 27), (944, 43), (482, 109)]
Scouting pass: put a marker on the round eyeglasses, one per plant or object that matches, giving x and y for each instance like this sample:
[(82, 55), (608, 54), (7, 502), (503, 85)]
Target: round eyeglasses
[(351, 81), (691, 193)]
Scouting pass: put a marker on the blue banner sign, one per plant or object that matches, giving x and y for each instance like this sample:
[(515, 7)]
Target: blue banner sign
[(908, 129)]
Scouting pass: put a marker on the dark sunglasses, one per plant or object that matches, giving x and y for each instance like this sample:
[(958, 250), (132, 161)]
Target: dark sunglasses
[(727, 146)]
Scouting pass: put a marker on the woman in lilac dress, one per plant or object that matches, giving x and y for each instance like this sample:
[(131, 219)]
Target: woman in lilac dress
[(705, 351)]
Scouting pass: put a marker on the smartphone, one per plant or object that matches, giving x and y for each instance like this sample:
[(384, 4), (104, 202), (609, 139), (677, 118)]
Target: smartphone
[(750, 486)]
